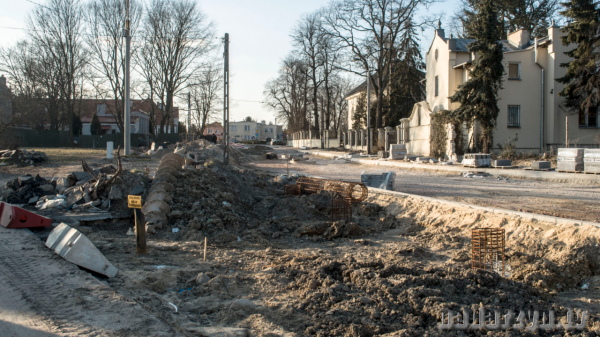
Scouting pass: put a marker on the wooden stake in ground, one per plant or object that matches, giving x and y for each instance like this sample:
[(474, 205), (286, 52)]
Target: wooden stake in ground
[(140, 233), (205, 240), (135, 202)]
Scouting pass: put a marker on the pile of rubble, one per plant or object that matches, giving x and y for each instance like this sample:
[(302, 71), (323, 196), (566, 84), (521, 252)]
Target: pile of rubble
[(28, 190), (22, 157)]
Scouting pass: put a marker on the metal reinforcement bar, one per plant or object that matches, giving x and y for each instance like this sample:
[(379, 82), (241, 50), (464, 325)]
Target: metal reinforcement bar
[(488, 249), (354, 192)]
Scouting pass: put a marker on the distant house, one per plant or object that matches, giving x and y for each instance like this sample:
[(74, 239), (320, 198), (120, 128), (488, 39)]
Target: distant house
[(5, 100), (214, 129), (139, 119), (254, 131), (529, 102)]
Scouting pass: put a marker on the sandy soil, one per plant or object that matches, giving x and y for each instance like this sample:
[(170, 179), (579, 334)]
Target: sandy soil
[(278, 266), (580, 201)]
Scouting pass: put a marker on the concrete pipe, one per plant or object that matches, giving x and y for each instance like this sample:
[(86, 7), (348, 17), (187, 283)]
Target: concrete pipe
[(172, 156), (159, 195), (170, 163), (156, 218), (162, 186), (156, 206), (170, 170), (165, 177)]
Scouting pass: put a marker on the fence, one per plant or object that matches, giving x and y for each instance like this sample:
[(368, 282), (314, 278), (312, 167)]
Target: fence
[(37, 138), (50, 138), (306, 138)]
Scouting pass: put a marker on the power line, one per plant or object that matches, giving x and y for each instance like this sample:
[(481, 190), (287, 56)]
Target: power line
[(35, 3)]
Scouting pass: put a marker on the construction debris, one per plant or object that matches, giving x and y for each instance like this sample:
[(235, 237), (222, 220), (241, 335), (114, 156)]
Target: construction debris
[(76, 248), (21, 190), (383, 181), (22, 157)]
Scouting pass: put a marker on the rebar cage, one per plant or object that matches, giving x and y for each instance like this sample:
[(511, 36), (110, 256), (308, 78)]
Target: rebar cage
[(292, 190), (344, 189), (488, 249), (341, 209)]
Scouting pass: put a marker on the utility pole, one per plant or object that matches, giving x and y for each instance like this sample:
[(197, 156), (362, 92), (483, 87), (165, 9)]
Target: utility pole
[(127, 118), (189, 128), (368, 113), (226, 99)]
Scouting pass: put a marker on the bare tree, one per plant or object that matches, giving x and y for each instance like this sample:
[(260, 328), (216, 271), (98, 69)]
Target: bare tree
[(206, 95), (56, 32), (177, 37), (369, 29), (105, 22), (20, 64), (308, 38), (288, 95)]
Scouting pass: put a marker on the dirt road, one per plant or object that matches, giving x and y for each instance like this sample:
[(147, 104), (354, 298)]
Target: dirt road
[(579, 201), (43, 295)]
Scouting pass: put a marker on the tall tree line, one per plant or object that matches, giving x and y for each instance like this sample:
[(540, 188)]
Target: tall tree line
[(75, 49), (511, 15)]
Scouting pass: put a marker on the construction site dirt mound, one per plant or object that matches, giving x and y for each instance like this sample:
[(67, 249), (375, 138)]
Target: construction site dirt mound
[(279, 265)]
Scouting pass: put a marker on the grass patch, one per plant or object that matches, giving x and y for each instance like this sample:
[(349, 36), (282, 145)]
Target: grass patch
[(70, 155)]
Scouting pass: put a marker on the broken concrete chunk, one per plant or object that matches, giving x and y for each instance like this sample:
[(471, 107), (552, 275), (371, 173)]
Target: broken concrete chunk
[(25, 180), (202, 278), (137, 190), (33, 200), (87, 197), (47, 188), (74, 198), (73, 246), (115, 193)]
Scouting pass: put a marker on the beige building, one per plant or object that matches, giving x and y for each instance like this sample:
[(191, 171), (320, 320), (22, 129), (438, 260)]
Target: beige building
[(239, 131), (530, 107)]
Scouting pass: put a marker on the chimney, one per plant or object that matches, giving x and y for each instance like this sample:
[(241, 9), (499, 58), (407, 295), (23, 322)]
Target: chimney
[(439, 31), (2, 81), (520, 38)]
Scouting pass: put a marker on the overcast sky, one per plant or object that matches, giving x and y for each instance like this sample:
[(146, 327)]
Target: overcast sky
[(259, 39)]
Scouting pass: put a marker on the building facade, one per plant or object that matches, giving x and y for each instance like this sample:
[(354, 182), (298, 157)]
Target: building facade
[(214, 129), (139, 119), (531, 110), (244, 131)]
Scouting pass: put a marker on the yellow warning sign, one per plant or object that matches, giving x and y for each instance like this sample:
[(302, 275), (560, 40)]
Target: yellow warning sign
[(134, 201)]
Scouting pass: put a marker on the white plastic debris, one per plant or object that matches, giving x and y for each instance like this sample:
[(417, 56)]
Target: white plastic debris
[(226, 204), (175, 230), (585, 286), (53, 204), (239, 239)]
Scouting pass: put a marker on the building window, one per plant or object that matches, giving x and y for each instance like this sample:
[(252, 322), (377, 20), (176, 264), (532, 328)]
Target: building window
[(437, 85), (246, 127), (589, 119), (436, 54), (233, 128), (514, 71), (271, 130), (209, 130), (514, 116)]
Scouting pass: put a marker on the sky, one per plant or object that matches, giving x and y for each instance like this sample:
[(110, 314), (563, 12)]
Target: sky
[(259, 39)]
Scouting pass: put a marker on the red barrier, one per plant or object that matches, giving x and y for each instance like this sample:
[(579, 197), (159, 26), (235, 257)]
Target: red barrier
[(16, 217)]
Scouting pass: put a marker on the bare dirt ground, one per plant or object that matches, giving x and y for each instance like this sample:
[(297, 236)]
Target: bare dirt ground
[(577, 200), (278, 266)]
